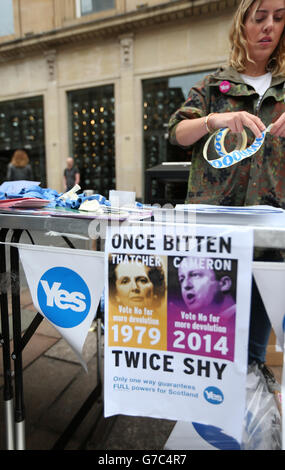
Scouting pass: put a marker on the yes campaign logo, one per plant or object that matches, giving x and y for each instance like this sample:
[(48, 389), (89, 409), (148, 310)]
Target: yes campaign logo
[(63, 297), (213, 395)]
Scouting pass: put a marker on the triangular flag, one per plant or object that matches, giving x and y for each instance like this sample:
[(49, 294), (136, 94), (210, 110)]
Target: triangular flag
[(66, 286), (270, 280)]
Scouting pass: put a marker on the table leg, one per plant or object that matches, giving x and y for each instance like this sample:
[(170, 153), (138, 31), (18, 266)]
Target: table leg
[(17, 335), (5, 341)]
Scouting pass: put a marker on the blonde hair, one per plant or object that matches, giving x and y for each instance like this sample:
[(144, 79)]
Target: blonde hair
[(20, 158), (238, 43)]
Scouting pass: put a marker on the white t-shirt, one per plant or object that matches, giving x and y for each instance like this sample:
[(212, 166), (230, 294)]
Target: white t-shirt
[(260, 84)]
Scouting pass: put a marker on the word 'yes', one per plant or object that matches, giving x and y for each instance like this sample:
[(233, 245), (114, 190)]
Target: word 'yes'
[(62, 298)]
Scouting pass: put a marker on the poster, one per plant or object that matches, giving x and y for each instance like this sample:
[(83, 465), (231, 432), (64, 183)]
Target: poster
[(177, 315)]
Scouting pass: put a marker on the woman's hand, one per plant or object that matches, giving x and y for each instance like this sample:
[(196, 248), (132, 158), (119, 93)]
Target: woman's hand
[(236, 121), (189, 131), (278, 128)]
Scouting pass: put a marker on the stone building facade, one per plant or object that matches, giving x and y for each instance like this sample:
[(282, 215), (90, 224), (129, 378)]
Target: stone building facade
[(98, 80)]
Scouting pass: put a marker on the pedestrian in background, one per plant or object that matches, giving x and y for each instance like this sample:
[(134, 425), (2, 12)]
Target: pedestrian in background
[(71, 175), (19, 168)]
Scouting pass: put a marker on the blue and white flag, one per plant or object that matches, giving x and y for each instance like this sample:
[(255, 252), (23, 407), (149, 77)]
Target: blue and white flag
[(66, 286)]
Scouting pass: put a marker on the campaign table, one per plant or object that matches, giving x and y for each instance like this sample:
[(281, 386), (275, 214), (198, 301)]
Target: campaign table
[(269, 232), (15, 225)]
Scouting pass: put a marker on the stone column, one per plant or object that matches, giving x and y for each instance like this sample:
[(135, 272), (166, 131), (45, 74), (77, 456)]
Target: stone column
[(127, 164), (52, 124)]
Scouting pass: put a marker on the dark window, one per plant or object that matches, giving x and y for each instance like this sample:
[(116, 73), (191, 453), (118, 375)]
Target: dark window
[(92, 137), (93, 6), (22, 127), (161, 98)]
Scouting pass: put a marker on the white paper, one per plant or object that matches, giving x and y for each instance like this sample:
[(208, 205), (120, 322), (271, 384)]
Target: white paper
[(169, 360), (250, 210)]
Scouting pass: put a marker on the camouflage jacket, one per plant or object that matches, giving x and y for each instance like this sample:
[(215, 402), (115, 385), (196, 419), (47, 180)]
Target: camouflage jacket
[(259, 179)]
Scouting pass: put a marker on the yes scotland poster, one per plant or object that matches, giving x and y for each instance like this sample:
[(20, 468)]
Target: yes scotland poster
[(176, 321)]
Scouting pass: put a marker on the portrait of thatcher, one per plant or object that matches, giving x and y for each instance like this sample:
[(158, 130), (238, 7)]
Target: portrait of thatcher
[(135, 284)]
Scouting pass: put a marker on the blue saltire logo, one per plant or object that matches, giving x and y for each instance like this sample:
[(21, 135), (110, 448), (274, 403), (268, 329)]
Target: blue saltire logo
[(216, 437), (63, 297)]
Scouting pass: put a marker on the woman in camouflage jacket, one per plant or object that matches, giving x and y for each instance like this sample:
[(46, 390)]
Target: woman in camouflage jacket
[(235, 104), (229, 99)]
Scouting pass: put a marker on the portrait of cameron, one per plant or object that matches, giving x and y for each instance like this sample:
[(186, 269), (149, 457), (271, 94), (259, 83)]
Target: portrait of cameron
[(208, 285)]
